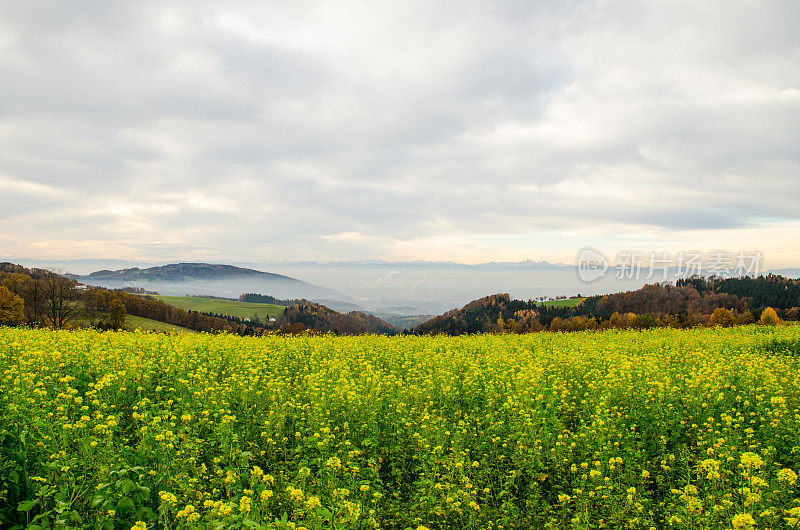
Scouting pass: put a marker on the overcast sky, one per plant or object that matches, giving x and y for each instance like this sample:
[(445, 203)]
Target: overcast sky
[(464, 131)]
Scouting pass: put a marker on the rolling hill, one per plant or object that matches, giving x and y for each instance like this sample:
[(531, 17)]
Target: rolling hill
[(318, 317), (181, 279), (180, 272)]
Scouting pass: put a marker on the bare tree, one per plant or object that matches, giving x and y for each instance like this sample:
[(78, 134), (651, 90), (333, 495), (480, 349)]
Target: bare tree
[(34, 302), (60, 300)]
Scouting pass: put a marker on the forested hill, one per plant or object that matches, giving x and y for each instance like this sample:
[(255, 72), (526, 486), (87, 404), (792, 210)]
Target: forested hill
[(309, 315), (692, 302), (178, 272), (477, 316)]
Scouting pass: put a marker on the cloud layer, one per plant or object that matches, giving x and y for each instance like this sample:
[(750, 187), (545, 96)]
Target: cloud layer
[(399, 130)]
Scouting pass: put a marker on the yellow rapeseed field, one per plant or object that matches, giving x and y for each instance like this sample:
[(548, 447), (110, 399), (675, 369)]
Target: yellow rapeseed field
[(621, 429)]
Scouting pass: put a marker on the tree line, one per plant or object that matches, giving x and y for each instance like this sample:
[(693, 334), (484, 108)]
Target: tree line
[(688, 303), (42, 298), (36, 296), (255, 298)]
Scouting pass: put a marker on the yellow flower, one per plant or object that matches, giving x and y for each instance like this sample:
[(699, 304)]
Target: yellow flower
[(313, 502), (353, 508), (751, 460), (139, 525), (743, 520), (710, 468), (168, 498), (787, 476), (186, 512), (265, 495), (295, 494)]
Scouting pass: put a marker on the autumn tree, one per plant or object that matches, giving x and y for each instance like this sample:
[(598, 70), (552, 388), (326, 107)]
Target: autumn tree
[(32, 293), (117, 314), (12, 311), (510, 326), (293, 329), (722, 317), (769, 317), (95, 301)]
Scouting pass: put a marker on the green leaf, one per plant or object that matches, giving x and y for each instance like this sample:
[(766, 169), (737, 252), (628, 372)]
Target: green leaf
[(126, 485), (26, 506), (125, 505)]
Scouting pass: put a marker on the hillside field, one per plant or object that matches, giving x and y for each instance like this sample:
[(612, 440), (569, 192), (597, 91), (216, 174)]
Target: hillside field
[(621, 429), (232, 308), (132, 322), (146, 324), (569, 302)]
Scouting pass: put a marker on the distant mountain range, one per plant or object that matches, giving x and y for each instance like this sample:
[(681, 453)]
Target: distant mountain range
[(789, 273), (181, 272), (115, 265), (90, 264)]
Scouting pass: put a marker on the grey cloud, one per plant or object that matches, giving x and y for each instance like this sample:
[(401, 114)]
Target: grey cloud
[(339, 131)]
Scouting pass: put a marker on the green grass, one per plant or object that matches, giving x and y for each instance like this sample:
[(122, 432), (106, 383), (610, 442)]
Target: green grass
[(569, 302), (145, 324), (132, 322), (222, 307)]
